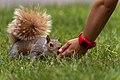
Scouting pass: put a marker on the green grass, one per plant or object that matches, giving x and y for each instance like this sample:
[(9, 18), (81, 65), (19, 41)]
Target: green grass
[(100, 63)]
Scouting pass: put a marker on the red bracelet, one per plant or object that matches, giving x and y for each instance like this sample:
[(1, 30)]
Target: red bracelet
[(85, 43)]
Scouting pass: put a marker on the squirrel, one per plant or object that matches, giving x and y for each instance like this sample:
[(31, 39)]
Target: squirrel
[(29, 33)]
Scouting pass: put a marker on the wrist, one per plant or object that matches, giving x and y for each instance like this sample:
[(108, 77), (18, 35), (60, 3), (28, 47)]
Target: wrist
[(85, 43)]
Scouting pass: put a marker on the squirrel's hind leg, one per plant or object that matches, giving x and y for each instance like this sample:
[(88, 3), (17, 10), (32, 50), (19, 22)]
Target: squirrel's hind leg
[(14, 52), (36, 53)]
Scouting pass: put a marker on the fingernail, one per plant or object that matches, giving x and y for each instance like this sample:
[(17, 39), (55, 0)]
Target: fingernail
[(60, 50)]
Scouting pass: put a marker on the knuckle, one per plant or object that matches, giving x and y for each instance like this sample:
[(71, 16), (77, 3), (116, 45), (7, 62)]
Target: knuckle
[(68, 42), (62, 49), (66, 52)]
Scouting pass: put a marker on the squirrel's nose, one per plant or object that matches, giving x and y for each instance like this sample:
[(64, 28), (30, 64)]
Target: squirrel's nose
[(58, 52), (58, 49)]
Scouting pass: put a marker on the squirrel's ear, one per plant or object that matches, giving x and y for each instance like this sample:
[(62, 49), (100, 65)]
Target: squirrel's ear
[(59, 39), (48, 39)]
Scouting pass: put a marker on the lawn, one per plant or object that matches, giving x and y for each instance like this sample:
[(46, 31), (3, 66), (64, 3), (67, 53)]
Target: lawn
[(100, 63)]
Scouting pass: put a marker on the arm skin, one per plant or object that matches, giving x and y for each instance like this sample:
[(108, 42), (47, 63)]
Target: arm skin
[(98, 17)]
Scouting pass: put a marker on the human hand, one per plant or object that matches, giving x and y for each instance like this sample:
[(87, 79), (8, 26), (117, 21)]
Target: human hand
[(71, 47)]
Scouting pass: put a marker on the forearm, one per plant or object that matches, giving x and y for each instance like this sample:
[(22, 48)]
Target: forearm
[(98, 17)]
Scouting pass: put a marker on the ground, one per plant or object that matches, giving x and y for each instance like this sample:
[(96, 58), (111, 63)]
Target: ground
[(100, 63)]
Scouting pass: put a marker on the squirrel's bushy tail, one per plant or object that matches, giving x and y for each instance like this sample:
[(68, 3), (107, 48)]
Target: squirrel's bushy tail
[(29, 24)]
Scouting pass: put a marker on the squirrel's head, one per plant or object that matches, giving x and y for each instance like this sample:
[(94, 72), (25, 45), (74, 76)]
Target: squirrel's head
[(53, 44)]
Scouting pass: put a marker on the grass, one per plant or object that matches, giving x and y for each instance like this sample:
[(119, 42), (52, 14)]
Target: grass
[(100, 63)]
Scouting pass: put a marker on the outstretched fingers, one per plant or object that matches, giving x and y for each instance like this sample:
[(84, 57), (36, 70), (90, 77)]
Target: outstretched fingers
[(64, 48)]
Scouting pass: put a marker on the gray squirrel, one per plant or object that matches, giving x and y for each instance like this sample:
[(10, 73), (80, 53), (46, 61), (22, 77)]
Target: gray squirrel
[(29, 33)]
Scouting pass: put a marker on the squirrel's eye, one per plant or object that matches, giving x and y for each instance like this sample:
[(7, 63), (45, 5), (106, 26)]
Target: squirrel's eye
[(51, 45)]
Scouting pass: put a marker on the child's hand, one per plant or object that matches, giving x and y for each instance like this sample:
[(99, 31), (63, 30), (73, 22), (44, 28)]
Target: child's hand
[(70, 47)]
